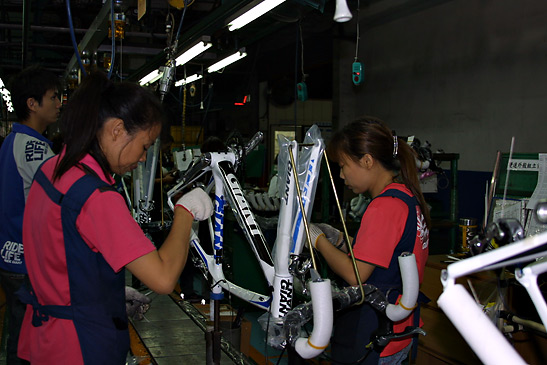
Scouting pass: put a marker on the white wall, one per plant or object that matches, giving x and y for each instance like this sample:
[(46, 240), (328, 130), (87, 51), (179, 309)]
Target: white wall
[(467, 75)]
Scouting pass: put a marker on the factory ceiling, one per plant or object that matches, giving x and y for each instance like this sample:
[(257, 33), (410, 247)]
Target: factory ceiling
[(39, 32), (292, 40)]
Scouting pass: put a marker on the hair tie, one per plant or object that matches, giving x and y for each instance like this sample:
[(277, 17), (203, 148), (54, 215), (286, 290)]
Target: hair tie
[(395, 146)]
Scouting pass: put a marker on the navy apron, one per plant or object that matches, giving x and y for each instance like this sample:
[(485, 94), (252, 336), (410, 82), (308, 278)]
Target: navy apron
[(97, 293), (354, 326)]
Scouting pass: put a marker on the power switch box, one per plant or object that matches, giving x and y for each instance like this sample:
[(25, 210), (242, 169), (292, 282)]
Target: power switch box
[(357, 73)]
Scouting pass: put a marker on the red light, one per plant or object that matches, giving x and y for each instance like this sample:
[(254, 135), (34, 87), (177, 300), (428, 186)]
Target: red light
[(245, 99)]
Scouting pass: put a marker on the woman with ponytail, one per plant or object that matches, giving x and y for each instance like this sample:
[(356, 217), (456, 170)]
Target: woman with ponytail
[(374, 160), (79, 235)]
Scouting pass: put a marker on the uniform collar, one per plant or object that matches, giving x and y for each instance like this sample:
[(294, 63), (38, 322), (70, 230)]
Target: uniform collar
[(21, 128), (397, 186), (90, 162)]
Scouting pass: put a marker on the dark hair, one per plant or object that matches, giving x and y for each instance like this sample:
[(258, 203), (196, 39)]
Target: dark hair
[(370, 135), (95, 101), (32, 82), (213, 144)]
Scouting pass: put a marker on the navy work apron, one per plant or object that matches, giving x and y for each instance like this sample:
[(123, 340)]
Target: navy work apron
[(97, 293), (354, 327)]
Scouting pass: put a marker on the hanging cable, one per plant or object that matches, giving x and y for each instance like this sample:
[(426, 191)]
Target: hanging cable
[(358, 34), (186, 2), (121, 59), (296, 81), (112, 31), (73, 38), (302, 51)]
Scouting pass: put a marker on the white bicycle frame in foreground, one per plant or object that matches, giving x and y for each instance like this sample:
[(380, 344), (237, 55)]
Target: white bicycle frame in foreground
[(477, 329)]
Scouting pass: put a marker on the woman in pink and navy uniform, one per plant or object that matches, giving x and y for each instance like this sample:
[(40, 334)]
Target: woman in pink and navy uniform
[(79, 235), (372, 160)]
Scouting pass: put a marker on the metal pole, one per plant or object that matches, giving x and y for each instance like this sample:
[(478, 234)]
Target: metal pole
[(216, 333)]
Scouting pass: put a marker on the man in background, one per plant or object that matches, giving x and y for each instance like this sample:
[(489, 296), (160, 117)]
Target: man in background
[(35, 97)]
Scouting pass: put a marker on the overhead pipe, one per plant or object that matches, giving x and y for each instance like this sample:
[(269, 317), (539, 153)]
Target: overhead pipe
[(42, 28)]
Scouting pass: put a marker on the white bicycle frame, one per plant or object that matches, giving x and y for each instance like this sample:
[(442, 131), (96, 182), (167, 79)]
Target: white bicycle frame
[(289, 242), (481, 334), (290, 228), (227, 190)]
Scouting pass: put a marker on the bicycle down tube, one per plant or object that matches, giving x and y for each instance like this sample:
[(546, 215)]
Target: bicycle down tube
[(227, 189)]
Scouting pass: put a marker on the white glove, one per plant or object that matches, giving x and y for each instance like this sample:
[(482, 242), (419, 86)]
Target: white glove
[(198, 203), (136, 303), (315, 233), (334, 236)]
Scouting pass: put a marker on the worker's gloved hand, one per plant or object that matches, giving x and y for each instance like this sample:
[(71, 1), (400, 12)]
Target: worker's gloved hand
[(315, 233), (136, 303), (198, 203), (334, 236)]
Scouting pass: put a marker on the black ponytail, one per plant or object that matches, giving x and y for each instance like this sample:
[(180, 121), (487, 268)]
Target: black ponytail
[(95, 101), (370, 135)]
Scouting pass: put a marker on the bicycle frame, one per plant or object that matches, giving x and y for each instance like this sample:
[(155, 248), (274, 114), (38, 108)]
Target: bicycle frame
[(227, 190), (480, 333), (289, 242), (290, 228)]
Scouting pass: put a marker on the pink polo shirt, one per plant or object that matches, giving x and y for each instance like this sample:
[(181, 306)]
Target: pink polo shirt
[(104, 223), (381, 229)]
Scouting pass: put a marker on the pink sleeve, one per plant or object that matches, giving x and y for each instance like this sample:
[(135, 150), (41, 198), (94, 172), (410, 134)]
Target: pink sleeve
[(381, 229), (107, 226)]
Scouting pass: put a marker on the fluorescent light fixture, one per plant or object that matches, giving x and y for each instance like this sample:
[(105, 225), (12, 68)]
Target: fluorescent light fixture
[(250, 12), (151, 77), (227, 61), (188, 80), (193, 51)]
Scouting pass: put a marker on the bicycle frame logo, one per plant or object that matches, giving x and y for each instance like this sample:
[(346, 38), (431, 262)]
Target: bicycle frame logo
[(219, 226), (285, 300), (306, 191), (288, 182), (242, 204)]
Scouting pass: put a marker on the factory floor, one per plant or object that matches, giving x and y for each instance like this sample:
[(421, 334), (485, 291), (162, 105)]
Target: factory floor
[(172, 332)]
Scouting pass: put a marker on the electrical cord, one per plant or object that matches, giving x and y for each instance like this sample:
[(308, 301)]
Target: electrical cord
[(113, 32), (358, 34), (73, 38), (186, 2)]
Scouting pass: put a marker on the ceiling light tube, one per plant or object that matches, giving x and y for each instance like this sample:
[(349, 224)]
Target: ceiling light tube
[(194, 51), (188, 80), (151, 77), (251, 12), (227, 61)]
